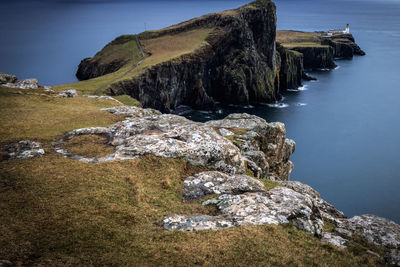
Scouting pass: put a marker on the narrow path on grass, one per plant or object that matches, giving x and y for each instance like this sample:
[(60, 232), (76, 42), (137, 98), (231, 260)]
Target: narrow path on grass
[(131, 69)]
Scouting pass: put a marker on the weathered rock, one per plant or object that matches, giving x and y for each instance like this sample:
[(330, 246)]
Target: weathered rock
[(392, 257), (164, 135), (334, 240), (213, 182), (195, 222), (23, 149), (7, 78), (328, 211), (132, 111), (276, 206), (374, 229), (68, 93), (23, 84), (48, 89), (261, 142)]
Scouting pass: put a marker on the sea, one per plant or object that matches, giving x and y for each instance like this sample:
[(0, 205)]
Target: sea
[(346, 124)]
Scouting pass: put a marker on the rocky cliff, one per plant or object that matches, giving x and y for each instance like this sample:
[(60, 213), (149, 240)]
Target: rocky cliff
[(238, 64)]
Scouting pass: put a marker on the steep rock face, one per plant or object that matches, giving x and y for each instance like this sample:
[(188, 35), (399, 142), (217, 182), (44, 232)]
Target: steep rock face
[(291, 69), (343, 45), (317, 57), (238, 66), (265, 146)]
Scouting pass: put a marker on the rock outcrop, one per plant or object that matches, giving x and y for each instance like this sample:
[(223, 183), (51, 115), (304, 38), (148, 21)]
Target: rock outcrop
[(212, 182), (245, 201), (68, 93), (373, 229), (23, 149), (265, 146), (254, 144), (343, 45)]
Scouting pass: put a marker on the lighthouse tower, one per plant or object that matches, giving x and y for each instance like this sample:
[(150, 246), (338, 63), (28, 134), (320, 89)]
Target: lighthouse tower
[(347, 29)]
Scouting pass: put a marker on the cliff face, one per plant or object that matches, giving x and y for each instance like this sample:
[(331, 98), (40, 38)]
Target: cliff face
[(291, 70), (343, 46), (317, 57)]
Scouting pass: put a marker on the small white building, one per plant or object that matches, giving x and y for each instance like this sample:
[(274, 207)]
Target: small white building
[(334, 32)]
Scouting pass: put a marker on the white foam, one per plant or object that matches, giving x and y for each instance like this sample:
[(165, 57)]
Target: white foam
[(337, 67), (278, 105), (301, 104), (303, 88), (248, 106)]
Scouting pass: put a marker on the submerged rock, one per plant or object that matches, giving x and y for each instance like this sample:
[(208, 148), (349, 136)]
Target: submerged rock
[(213, 182), (23, 149), (264, 144)]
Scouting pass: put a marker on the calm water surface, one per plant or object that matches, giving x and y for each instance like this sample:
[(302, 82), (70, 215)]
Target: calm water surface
[(346, 125)]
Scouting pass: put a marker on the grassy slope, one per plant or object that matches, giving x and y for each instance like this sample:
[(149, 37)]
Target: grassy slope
[(292, 39), (55, 211), (158, 50)]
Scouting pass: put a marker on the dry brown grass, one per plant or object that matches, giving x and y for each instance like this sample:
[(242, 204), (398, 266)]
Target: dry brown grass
[(89, 146), (296, 36), (31, 116)]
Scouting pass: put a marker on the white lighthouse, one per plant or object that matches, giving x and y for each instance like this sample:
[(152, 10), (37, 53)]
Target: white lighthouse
[(347, 29)]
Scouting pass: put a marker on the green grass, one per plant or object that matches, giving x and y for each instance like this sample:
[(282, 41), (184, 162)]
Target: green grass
[(127, 100)]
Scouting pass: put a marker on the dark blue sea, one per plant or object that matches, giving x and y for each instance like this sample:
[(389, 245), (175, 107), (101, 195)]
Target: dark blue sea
[(346, 124)]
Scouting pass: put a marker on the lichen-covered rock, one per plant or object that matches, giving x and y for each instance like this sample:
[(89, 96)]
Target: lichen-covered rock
[(261, 142), (328, 211), (374, 229), (23, 149), (7, 78), (334, 240), (392, 257), (195, 222), (132, 111), (170, 136), (68, 93), (213, 182), (276, 206), (23, 84)]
